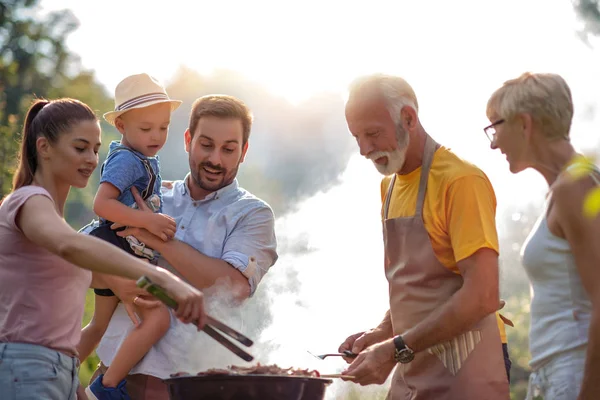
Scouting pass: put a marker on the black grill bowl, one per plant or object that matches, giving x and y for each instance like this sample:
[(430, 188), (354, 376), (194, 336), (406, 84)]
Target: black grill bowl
[(247, 387)]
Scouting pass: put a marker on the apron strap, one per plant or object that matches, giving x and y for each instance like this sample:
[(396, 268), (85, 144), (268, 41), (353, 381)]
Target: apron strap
[(388, 196), (428, 152)]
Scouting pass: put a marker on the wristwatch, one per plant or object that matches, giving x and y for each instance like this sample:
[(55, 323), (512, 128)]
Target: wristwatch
[(402, 354)]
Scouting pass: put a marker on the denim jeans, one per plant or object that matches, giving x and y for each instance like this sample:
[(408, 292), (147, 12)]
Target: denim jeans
[(558, 379), (32, 372)]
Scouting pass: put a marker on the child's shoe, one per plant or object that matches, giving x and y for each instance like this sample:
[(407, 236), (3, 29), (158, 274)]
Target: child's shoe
[(97, 391)]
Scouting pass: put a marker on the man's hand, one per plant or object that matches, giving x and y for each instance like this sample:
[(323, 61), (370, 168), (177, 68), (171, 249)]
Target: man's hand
[(348, 345), (143, 236), (361, 340), (373, 365)]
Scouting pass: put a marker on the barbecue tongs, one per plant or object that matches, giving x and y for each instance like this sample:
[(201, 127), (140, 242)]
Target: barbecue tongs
[(211, 323)]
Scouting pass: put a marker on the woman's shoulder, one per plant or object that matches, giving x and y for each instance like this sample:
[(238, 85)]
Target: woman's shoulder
[(22, 194), (578, 187), (12, 203)]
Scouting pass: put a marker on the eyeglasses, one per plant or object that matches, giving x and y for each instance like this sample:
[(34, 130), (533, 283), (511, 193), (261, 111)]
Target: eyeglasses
[(490, 130)]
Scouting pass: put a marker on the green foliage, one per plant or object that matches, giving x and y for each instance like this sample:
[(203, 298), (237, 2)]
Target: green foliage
[(34, 62), (517, 310), (8, 147), (33, 54), (88, 367), (33, 59)]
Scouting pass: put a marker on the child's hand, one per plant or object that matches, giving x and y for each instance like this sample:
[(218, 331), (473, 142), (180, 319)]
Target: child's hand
[(161, 225), (116, 226)]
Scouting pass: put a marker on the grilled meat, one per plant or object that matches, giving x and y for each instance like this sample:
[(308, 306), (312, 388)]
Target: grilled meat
[(257, 369)]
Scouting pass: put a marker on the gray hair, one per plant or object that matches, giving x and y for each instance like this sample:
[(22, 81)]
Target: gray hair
[(395, 90), (546, 97)]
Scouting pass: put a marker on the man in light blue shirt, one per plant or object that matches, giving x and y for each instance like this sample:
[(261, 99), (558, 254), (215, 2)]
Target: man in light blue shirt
[(236, 227), (225, 238)]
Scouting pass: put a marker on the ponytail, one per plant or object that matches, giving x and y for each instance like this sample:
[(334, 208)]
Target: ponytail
[(28, 155), (46, 118)]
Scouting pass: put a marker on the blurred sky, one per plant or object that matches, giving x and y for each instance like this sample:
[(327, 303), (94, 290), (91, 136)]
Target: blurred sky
[(454, 54)]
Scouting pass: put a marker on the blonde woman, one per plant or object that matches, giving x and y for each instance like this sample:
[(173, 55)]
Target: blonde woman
[(530, 122)]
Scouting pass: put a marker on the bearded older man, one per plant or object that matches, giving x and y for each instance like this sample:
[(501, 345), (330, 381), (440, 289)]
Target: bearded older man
[(441, 257)]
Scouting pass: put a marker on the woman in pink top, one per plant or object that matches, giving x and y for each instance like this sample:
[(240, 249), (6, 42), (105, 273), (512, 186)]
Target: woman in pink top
[(46, 267)]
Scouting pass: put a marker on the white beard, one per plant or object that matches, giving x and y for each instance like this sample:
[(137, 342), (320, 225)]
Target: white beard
[(395, 161), (395, 158)]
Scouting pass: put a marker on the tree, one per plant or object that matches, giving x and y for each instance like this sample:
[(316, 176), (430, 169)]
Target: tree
[(33, 60)]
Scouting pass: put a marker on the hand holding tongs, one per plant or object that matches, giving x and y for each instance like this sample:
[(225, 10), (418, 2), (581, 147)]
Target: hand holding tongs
[(211, 323)]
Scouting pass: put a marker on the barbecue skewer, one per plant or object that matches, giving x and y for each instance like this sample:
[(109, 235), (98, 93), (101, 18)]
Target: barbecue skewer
[(337, 376)]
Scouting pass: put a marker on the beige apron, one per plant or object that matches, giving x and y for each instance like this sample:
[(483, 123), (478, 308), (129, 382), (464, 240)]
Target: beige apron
[(470, 366)]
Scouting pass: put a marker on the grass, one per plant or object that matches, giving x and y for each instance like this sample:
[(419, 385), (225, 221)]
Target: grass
[(88, 367)]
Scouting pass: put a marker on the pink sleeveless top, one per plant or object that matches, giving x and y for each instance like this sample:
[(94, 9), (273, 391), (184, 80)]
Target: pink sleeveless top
[(42, 296)]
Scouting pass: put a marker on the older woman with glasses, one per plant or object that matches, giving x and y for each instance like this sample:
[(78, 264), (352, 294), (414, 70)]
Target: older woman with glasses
[(530, 122)]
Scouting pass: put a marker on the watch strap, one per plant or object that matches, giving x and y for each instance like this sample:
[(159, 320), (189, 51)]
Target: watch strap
[(399, 343)]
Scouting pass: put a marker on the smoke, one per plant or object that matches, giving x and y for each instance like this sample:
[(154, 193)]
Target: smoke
[(297, 158), (295, 150), (327, 284), (295, 153), (251, 319)]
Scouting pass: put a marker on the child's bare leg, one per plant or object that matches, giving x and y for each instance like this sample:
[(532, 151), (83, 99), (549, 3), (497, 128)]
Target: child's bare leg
[(155, 323), (104, 307)]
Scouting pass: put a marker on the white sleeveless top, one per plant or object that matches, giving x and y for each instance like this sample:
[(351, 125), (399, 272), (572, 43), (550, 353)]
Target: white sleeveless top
[(560, 307)]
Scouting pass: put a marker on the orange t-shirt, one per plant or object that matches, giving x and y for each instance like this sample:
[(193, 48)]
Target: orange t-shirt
[(459, 211)]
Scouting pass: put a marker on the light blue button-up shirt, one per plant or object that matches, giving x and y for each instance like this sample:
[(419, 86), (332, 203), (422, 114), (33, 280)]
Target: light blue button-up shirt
[(230, 224)]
